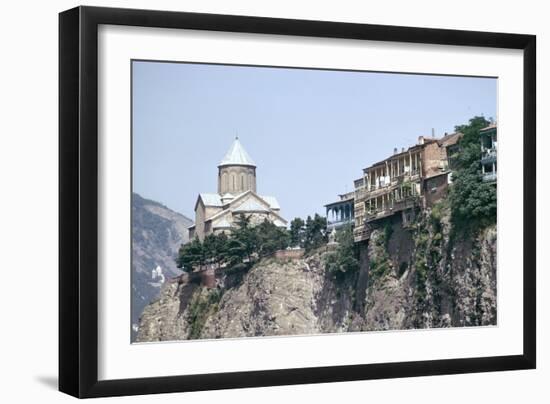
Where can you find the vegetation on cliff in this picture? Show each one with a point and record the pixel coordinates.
(437, 270)
(345, 259)
(310, 234)
(203, 304)
(416, 279)
(380, 262)
(428, 241)
(247, 244)
(473, 202)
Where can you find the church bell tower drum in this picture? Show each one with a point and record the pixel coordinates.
(236, 171)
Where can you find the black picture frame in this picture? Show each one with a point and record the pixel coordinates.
(78, 201)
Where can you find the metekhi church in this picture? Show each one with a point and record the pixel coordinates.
(217, 213)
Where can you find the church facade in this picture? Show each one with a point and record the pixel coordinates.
(218, 212)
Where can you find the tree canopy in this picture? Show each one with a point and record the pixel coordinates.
(297, 229)
(473, 201)
(346, 257)
(246, 243)
(315, 232)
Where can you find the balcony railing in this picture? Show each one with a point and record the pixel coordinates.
(490, 177)
(489, 156)
(360, 193)
(340, 221)
(383, 187)
(397, 206)
(361, 234)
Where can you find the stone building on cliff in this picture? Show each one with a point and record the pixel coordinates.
(340, 213)
(217, 212)
(403, 182)
(489, 153)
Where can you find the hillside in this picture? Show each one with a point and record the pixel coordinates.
(157, 233)
(416, 277)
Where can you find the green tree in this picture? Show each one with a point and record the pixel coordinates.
(215, 248)
(209, 248)
(191, 255)
(346, 257)
(473, 202)
(246, 235)
(315, 233)
(220, 246)
(236, 252)
(271, 238)
(297, 229)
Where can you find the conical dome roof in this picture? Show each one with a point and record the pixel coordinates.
(237, 155)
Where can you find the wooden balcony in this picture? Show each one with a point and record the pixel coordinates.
(361, 234)
(397, 206)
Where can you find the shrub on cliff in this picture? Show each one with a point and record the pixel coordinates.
(379, 259)
(346, 257)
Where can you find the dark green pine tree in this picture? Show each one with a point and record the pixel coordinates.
(220, 247)
(191, 255)
(209, 248)
(315, 234)
(236, 252)
(270, 238)
(246, 236)
(297, 227)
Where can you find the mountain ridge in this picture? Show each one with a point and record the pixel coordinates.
(157, 233)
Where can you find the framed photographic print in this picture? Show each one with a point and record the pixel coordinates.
(250, 201)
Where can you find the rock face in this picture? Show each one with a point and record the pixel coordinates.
(430, 279)
(416, 277)
(157, 233)
(164, 319)
(276, 297)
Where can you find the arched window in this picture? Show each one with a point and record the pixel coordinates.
(242, 182)
(233, 177)
(225, 183)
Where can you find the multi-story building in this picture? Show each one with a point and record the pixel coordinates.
(407, 180)
(341, 212)
(488, 137)
(410, 179)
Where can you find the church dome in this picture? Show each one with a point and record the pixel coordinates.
(237, 155)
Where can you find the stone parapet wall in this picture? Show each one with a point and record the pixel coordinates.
(289, 254)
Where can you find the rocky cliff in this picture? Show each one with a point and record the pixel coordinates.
(429, 276)
(157, 233)
(424, 275)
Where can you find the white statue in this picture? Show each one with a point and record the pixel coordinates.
(332, 237)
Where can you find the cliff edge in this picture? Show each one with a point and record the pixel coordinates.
(420, 276)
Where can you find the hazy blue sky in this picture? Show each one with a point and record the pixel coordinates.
(310, 132)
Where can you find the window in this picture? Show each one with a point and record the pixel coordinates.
(225, 182)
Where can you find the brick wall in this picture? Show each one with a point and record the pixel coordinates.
(431, 160)
(435, 188)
